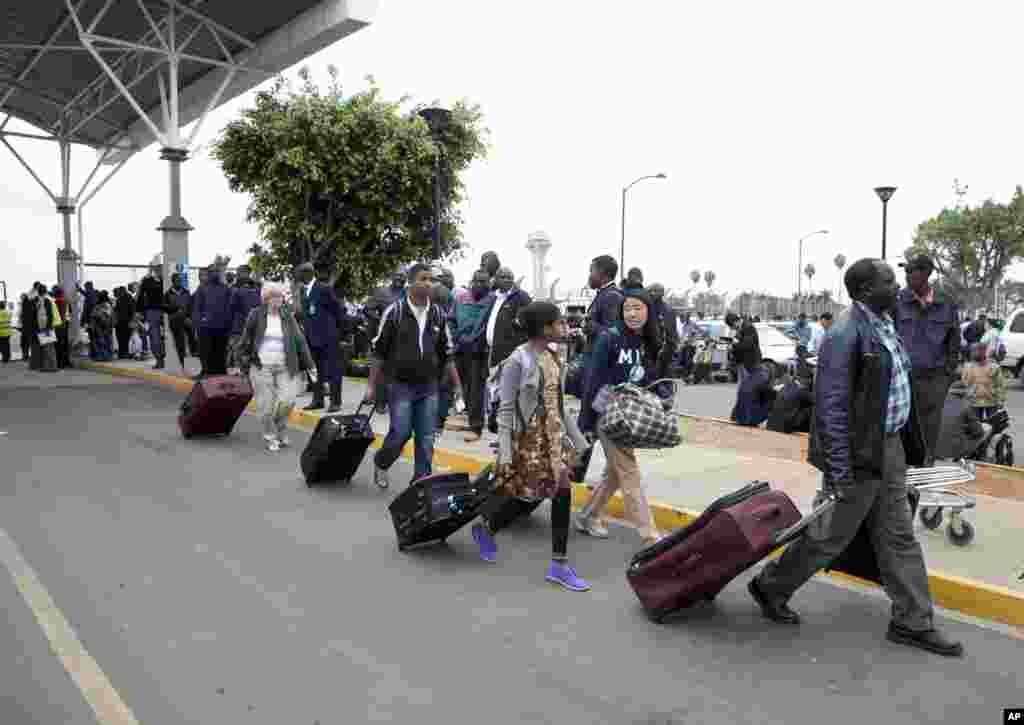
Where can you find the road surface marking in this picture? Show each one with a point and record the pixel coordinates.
(96, 689)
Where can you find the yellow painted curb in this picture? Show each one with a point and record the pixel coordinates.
(977, 599)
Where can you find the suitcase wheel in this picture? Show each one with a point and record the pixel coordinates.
(402, 546)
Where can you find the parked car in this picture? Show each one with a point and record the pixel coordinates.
(1012, 335)
(777, 349)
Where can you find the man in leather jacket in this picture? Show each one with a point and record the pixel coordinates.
(865, 432)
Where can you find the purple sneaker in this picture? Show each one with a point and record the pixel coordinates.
(483, 539)
(563, 574)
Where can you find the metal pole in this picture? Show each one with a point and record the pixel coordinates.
(885, 208)
(622, 248)
(437, 208)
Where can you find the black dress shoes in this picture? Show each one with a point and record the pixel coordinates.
(774, 610)
(930, 639)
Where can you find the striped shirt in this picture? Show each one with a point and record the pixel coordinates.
(897, 411)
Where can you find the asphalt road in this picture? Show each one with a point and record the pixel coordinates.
(211, 586)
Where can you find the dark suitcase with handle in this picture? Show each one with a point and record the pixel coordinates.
(698, 561)
(214, 406)
(337, 447)
(435, 507)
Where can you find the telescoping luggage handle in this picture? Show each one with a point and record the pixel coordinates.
(823, 508)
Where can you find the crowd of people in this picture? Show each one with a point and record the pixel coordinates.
(488, 348)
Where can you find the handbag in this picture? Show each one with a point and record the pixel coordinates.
(637, 418)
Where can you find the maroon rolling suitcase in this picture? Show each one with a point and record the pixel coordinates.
(698, 561)
(214, 406)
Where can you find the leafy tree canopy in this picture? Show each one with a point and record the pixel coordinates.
(972, 247)
(376, 157)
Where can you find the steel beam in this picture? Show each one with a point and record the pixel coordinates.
(28, 168)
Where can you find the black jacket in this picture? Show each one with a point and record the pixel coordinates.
(400, 352)
(178, 304)
(124, 309)
(851, 392)
(508, 335)
(603, 311)
(151, 294)
(747, 349)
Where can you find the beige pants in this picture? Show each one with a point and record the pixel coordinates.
(622, 473)
(274, 393)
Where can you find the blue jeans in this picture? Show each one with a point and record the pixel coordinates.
(413, 411)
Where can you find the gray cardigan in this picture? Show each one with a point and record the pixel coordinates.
(522, 381)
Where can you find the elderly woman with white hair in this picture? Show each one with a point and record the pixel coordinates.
(273, 353)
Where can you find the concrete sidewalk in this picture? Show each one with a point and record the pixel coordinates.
(212, 586)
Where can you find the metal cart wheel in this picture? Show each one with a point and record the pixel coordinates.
(965, 534)
(931, 517)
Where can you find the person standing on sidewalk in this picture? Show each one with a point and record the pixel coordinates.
(151, 303)
(321, 319)
(245, 297)
(607, 304)
(46, 336)
(212, 314)
(178, 303)
(533, 461)
(863, 436)
(926, 320)
(124, 313)
(272, 352)
(627, 352)
(413, 349)
(469, 342)
(503, 335)
(6, 331)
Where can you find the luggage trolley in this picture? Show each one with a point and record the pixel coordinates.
(936, 486)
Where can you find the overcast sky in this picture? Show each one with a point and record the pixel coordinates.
(771, 120)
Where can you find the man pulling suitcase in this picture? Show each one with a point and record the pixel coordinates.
(867, 462)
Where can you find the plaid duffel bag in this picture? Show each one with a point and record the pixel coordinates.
(636, 418)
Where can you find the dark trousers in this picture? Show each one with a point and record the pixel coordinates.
(499, 511)
(179, 335)
(213, 347)
(881, 504)
(124, 338)
(63, 351)
(328, 369)
(930, 388)
(5, 349)
(413, 412)
(26, 346)
(155, 320)
(473, 373)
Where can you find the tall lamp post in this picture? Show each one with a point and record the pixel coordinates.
(622, 250)
(437, 119)
(800, 261)
(884, 193)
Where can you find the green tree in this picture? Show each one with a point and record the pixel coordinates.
(973, 247)
(376, 156)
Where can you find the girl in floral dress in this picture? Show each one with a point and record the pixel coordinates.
(536, 442)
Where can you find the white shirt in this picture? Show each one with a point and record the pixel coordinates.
(499, 300)
(272, 348)
(422, 315)
(817, 335)
(309, 287)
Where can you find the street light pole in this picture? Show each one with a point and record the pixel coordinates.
(437, 120)
(622, 247)
(800, 262)
(884, 193)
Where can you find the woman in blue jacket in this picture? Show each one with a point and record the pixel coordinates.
(627, 352)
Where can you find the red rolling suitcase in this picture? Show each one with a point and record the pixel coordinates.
(697, 562)
(214, 406)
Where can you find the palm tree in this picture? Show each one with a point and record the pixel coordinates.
(695, 277)
(809, 271)
(840, 261)
(709, 278)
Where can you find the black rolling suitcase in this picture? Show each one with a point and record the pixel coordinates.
(435, 507)
(337, 447)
